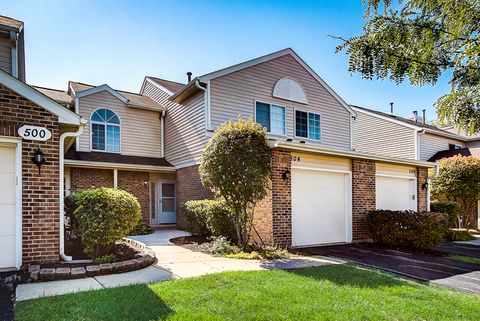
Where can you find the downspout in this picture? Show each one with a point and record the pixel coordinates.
(162, 133)
(207, 108)
(429, 178)
(61, 179)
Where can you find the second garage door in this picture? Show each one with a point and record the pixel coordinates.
(320, 207)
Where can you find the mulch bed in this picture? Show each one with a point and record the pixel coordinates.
(196, 243)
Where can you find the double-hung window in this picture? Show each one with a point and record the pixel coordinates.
(105, 131)
(272, 117)
(307, 125)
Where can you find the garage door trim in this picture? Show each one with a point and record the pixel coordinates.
(17, 144)
(348, 198)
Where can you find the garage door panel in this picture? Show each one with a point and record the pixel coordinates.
(7, 256)
(7, 221)
(7, 207)
(318, 207)
(395, 193)
(7, 193)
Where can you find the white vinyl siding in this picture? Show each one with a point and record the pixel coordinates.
(185, 135)
(431, 144)
(140, 129)
(233, 95)
(5, 54)
(378, 136)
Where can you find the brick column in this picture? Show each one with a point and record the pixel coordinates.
(363, 197)
(422, 177)
(189, 187)
(273, 215)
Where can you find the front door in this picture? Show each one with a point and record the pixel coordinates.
(165, 209)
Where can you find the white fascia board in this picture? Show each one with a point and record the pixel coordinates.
(277, 54)
(65, 116)
(350, 154)
(107, 165)
(398, 122)
(156, 85)
(101, 88)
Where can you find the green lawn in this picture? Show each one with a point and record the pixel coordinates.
(463, 258)
(342, 292)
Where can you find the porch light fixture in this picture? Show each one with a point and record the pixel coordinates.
(425, 185)
(38, 159)
(145, 183)
(286, 175)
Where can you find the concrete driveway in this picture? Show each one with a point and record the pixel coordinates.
(419, 266)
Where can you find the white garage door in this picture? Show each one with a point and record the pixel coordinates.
(320, 207)
(7, 207)
(394, 193)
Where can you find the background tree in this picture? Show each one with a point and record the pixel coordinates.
(236, 167)
(459, 180)
(421, 40)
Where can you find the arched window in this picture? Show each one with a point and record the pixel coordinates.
(105, 131)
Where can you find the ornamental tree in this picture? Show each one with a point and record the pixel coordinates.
(459, 180)
(421, 40)
(236, 167)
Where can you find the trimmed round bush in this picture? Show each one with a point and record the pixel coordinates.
(211, 218)
(104, 216)
(452, 209)
(407, 229)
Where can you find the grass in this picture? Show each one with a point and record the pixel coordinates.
(464, 258)
(340, 292)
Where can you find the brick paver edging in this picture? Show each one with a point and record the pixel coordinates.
(38, 274)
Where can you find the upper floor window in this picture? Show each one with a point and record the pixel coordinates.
(307, 125)
(272, 117)
(105, 126)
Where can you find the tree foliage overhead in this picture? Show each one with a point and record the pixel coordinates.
(421, 40)
(236, 166)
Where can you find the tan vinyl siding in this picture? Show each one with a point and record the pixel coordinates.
(185, 135)
(234, 94)
(140, 129)
(378, 136)
(5, 54)
(431, 144)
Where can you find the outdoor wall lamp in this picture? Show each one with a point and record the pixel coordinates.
(38, 159)
(145, 183)
(286, 175)
(425, 185)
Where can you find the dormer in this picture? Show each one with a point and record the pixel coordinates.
(12, 47)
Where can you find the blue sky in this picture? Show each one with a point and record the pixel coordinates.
(119, 42)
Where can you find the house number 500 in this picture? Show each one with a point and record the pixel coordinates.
(34, 133)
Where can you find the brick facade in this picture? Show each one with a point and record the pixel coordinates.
(40, 195)
(273, 215)
(130, 181)
(188, 187)
(422, 178)
(85, 178)
(134, 183)
(363, 197)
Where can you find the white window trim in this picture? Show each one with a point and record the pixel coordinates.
(105, 124)
(271, 104)
(308, 126)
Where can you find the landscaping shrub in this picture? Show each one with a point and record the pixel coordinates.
(222, 246)
(142, 228)
(452, 209)
(407, 229)
(459, 235)
(70, 205)
(109, 258)
(104, 216)
(211, 218)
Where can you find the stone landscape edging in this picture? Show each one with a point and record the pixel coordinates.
(147, 258)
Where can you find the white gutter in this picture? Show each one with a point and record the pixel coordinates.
(61, 178)
(207, 107)
(350, 154)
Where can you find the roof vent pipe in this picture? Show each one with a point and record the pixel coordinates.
(189, 76)
(423, 115)
(391, 108)
(415, 115)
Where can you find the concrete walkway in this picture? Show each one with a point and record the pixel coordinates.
(173, 262)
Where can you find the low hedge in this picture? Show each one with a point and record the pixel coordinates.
(452, 209)
(209, 217)
(407, 229)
